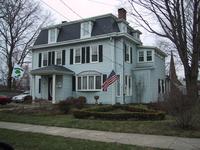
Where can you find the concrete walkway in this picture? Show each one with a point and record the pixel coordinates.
(168, 142)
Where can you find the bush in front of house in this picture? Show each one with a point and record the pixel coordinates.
(131, 112)
(71, 102)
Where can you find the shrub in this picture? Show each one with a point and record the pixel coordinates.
(64, 106)
(132, 113)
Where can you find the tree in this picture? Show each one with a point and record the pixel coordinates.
(20, 21)
(179, 21)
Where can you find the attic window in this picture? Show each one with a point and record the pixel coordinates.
(52, 35)
(86, 29)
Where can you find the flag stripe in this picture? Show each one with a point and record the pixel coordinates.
(110, 80)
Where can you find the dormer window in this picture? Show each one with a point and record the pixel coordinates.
(145, 56)
(86, 29)
(52, 35)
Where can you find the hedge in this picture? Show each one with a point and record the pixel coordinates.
(132, 113)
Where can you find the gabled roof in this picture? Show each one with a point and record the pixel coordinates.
(104, 24)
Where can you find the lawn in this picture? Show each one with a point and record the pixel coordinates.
(35, 141)
(164, 127)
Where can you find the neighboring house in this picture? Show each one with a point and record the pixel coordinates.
(74, 59)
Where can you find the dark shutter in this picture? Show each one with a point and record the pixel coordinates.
(63, 57)
(49, 59)
(83, 55)
(73, 83)
(71, 56)
(159, 86)
(53, 58)
(39, 84)
(131, 54)
(88, 54)
(100, 53)
(163, 86)
(40, 60)
(104, 77)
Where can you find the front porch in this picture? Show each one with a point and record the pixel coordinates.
(55, 83)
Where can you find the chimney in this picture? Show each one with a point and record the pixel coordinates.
(64, 21)
(122, 13)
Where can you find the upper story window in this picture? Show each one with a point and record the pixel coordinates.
(52, 35)
(128, 54)
(45, 59)
(145, 56)
(94, 53)
(77, 55)
(86, 29)
(59, 58)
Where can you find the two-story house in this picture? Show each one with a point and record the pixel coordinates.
(75, 58)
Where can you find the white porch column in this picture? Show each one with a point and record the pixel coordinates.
(33, 88)
(54, 89)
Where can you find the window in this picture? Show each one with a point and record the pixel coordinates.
(128, 85)
(86, 29)
(58, 58)
(85, 82)
(45, 58)
(89, 82)
(118, 85)
(141, 56)
(149, 55)
(77, 55)
(128, 54)
(52, 35)
(79, 83)
(94, 53)
(39, 86)
(161, 86)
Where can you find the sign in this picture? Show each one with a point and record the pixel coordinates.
(17, 72)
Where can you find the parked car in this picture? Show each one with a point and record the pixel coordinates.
(22, 97)
(4, 100)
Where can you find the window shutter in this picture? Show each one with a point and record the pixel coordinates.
(163, 86)
(63, 57)
(53, 58)
(40, 60)
(88, 54)
(73, 83)
(104, 77)
(83, 55)
(100, 53)
(49, 58)
(71, 56)
(131, 54)
(39, 86)
(159, 90)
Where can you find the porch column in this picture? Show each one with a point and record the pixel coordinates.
(33, 88)
(54, 89)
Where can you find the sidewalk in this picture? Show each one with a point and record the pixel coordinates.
(168, 142)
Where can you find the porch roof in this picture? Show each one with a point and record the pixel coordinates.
(53, 69)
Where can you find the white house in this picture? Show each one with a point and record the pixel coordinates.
(75, 58)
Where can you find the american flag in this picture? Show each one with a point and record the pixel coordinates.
(110, 80)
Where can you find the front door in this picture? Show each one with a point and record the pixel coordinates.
(50, 88)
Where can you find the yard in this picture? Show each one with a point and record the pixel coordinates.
(163, 127)
(33, 141)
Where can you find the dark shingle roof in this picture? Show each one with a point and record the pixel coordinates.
(53, 69)
(67, 32)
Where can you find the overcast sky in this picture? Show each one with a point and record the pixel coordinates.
(71, 10)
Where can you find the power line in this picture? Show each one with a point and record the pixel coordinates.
(71, 9)
(55, 10)
(101, 3)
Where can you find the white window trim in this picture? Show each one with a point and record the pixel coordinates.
(97, 54)
(74, 60)
(88, 90)
(55, 37)
(127, 92)
(129, 53)
(56, 57)
(43, 58)
(89, 30)
(145, 56)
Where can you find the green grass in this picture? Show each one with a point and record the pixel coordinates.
(35, 141)
(163, 127)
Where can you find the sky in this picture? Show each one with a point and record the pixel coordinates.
(70, 10)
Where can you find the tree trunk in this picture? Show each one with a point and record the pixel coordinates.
(9, 78)
(192, 87)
